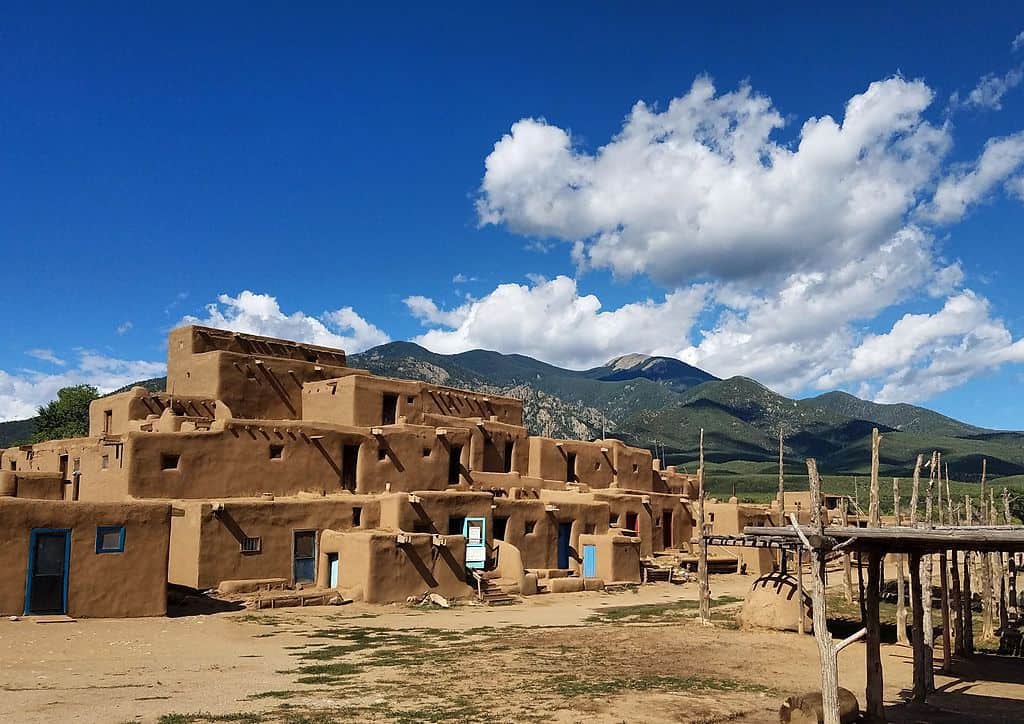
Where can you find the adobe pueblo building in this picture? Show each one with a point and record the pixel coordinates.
(269, 465)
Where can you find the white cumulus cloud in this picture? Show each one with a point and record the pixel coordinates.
(46, 355)
(551, 320)
(966, 186)
(261, 314)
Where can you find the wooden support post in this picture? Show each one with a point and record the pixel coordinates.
(987, 624)
(1010, 570)
(928, 625)
(702, 560)
(875, 708)
(998, 571)
(947, 644)
(800, 589)
(874, 507)
(956, 604)
(847, 572)
(826, 648)
(920, 691)
(860, 588)
(968, 598)
(901, 583)
(782, 504)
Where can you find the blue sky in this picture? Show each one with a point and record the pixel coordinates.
(813, 199)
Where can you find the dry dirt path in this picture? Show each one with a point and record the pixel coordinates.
(569, 657)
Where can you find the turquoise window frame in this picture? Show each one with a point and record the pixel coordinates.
(102, 530)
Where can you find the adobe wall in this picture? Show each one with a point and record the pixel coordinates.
(216, 537)
(36, 486)
(730, 519)
(649, 512)
(256, 377)
(617, 557)
(539, 546)
(130, 583)
(359, 399)
(101, 473)
(600, 464)
(114, 414)
(241, 458)
(433, 512)
(374, 567)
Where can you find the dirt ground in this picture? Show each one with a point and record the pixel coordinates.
(594, 657)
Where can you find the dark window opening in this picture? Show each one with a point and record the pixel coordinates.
(411, 399)
(382, 452)
(63, 467)
(455, 465)
(636, 467)
(570, 467)
(14, 464)
(349, 462)
(276, 452)
(456, 524)
(357, 516)
(631, 521)
(500, 526)
(108, 417)
(597, 465)
(389, 411)
(426, 452)
(169, 461)
(531, 525)
(510, 449)
(613, 519)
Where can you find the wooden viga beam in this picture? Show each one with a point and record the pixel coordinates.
(897, 539)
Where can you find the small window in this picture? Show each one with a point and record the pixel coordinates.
(104, 462)
(382, 452)
(636, 467)
(531, 525)
(276, 452)
(252, 545)
(613, 520)
(108, 416)
(426, 452)
(110, 539)
(169, 461)
(357, 516)
(411, 399)
(597, 465)
(14, 464)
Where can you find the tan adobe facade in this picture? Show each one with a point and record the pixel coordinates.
(272, 463)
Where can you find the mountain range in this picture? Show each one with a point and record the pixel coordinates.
(662, 403)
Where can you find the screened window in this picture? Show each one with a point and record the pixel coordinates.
(252, 545)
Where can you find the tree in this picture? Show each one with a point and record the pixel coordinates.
(67, 416)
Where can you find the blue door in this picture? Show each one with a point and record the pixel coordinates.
(475, 531)
(304, 556)
(564, 533)
(46, 590)
(589, 561)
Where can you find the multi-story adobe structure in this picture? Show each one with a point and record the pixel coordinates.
(272, 463)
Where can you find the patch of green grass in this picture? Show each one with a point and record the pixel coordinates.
(240, 717)
(653, 612)
(285, 694)
(571, 685)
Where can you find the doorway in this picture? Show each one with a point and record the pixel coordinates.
(666, 528)
(332, 570)
(304, 556)
(349, 462)
(564, 535)
(570, 468)
(46, 591)
(590, 561)
(389, 409)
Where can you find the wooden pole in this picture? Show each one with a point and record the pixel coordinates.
(954, 571)
(987, 625)
(920, 691)
(947, 644)
(926, 582)
(998, 570)
(901, 583)
(914, 490)
(874, 509)
(873, 695)
(968, 598)
(782, 505)
(860, 589)
(826, 649)
(847, 572)
(702, 561)
(1011, 561)
(800, 590)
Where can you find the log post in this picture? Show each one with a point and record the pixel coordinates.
(826, 648)
(998, 571)
(920, 691)
(901, 583)
(926, 582)
(702, 560)
(782, 503)
(874, 509)
(1011, 562)
(847, 572)
(947, 644)
(875, 707)
(954, 571)
(987, 625)
(968, 598)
